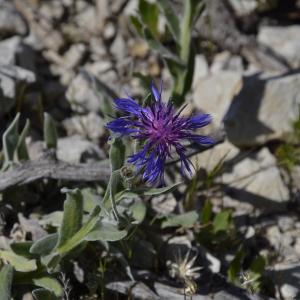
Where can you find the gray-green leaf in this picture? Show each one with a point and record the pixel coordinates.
(72, 218)
(20, 263)
(6, 275)
(50, 132)
(42, 294)
(10, 139)
(108, 232)
(50, 284)
(185, 220)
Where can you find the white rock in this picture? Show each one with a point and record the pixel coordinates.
(285, 223)
(82, 96)
(289, 292)
(200, 69)
(214, 93)
(87, 18)
(119, 48)
(256, 180)
(11, 22)
(74, 55)
(225, 61)
(8, 76)
(282, 40)
(74, 149)
(8, 50)
(212, 157)
(263, 110)
(243, 7)
(90, 126)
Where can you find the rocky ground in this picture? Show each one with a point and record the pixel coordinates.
(69, 57)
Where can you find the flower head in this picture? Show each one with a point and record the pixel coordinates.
(162, 130)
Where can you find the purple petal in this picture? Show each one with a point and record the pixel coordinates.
(185, 163)
(156, 94)
(154, 170)
(139, 158)
(128, 105)
(122, 126)
(202, 139)
(200, 120)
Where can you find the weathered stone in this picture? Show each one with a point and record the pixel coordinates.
(52, 9)
(119, 48)
(74, 55)
(8, 50)
(263, 110)
(74, 149)
(286, 276)
(82, 96)
(200, 69)
(212, 157)
(9, 75)
(225, 61)
(87, 19)
(285, 223)
(243, 7)
(214, 93)
(90, 126)
(256, 180)
(289, 291)
(11, 22)
(283, 41)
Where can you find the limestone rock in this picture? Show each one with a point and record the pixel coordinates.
(90, 126)
(256, 180)
(82, 96)
(286, 276)
(243, 7)
(8, 50)
(9, 75)
(200, 69)
(263, 110)
(214, 93)
(225, 61)
(11, 22)
(283, 41)
(212, 157)
(74, 149)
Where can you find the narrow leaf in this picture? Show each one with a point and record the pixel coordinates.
(172, 20)
(6, 275)
(137, 25)
(72, 218)
(21, 147)
(117, 154)
(80, 235)
(50, 132)
(149, 14)
(10, 139)
(162, 50)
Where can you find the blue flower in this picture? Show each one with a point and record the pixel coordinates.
(162, 130)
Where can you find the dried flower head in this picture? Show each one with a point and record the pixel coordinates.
(162, 130)
(183, 268)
